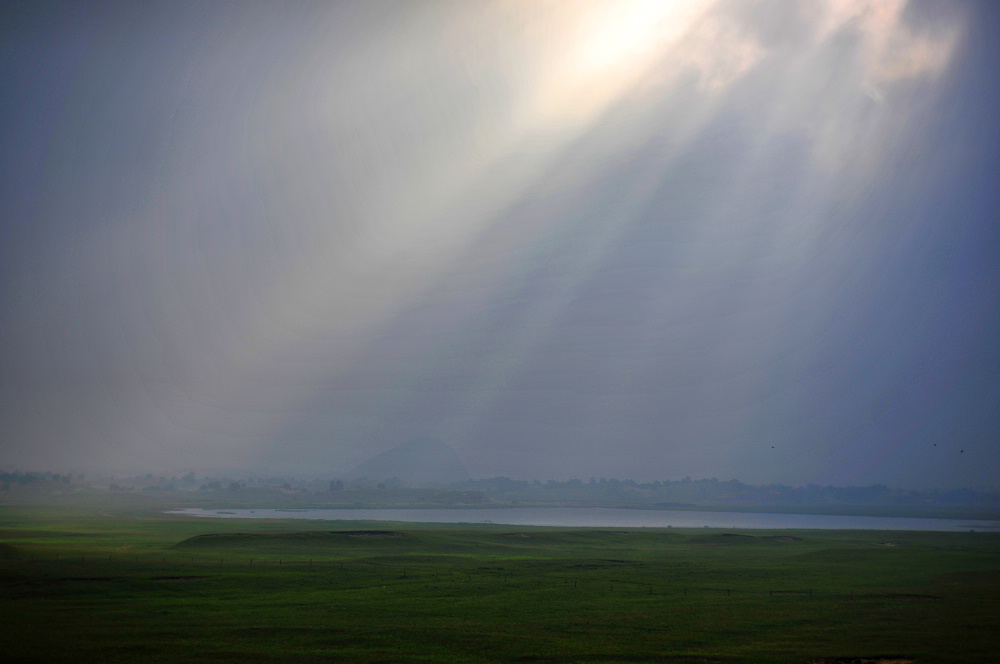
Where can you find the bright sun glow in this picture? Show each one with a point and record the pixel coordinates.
(616, 35)
(611, 47)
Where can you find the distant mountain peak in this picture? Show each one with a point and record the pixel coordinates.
(418, 461)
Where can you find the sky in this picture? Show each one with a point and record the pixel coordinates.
(639, 239)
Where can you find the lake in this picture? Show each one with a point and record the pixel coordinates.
(604, 517)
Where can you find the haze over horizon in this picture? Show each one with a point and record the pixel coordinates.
(638, 239)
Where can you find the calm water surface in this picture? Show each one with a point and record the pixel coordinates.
(604, 517)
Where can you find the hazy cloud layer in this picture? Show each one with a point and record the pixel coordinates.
(637, 238)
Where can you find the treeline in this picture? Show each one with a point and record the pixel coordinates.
(7, 480)
(665, 494)
(732, 493)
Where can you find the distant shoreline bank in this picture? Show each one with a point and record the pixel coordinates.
(600, 517)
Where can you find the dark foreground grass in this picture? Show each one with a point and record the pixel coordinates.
(152, 588)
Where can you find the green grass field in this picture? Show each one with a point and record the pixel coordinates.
(154, 588)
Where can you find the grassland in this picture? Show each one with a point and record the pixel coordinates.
(143, 586)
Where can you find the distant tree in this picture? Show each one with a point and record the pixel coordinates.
(336, 485)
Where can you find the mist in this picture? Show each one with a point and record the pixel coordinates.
(628, 239)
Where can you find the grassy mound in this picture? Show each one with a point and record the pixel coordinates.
(292, 542)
